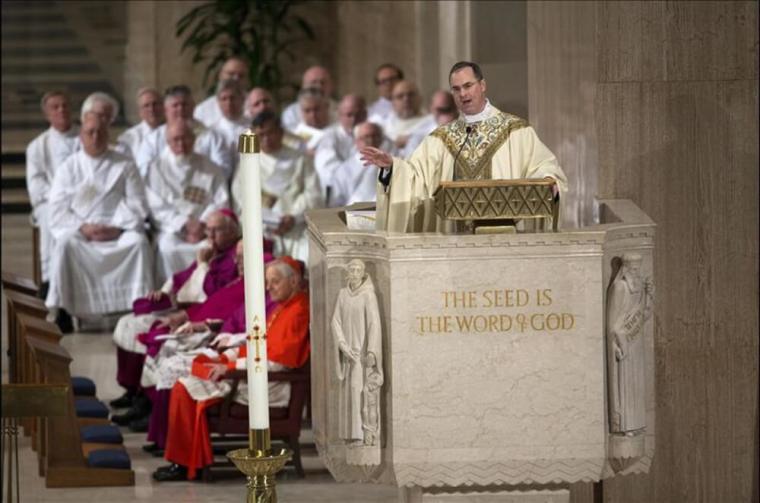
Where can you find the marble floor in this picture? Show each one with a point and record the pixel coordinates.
(94, 356)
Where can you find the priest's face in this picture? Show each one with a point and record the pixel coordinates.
(385, 79)
(368, 134)
(351, 112)
(58, 112)
(221, 232)
(258, 101)
(270, 137)
(230, 103)
(104, 110)
(315, 112)
(234, 69)
(151, 108)
(94, 135)
(180, 138)
(318, 78)
(406, 100)
(443, 108)
(469, 92)
(279, 286)
(178, 108)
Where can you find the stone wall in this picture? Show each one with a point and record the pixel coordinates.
(660, 100)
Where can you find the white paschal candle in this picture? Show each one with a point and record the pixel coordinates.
(255, 306)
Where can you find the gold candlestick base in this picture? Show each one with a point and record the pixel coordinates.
(260, 465)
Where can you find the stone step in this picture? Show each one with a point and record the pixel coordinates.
(32, 68)
(12, 172)
(43, 52)
(15, 196)
(56, 79)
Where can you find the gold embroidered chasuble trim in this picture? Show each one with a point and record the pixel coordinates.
(474, 161)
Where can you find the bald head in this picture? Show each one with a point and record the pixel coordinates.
(318, 77)
(368, 134)
(351, 111)
(180, 137)
(405, 99)
(315, 109)
(234, 68)
(259, 100)
(443, 107)
(222, 231)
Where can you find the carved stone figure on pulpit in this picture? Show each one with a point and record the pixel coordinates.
(629, 306)
(373, 380)
(358, 349)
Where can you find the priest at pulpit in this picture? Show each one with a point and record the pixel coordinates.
(483, 143)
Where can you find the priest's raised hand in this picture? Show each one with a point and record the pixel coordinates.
(374, 156)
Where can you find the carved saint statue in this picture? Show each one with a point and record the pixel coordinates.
(629, 306)
(358, 342)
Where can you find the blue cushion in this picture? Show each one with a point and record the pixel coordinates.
(87, 407)
(83, 386)
(109, 458)
(101, 433)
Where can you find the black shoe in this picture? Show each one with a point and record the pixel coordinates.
(140, 425)
(130, 415)
(151, 448)
(171, 473)
(63, 320)
(124, 401)
(154, 450)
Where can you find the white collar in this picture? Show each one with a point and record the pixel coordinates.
(482, 115)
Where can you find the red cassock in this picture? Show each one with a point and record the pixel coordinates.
(188, 441)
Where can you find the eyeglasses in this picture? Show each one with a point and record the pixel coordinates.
(386, 80)
(401, 96)
(465, 86)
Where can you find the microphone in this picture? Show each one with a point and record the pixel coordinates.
(468, 130)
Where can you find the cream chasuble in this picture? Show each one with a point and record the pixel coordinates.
(500, 146)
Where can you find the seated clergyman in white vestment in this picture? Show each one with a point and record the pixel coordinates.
(386, 77)
(442, 111)
(208, 112)
(337, 144)
(102, 259)
(493, 144)
(178, 105)
(231, 96)
(289, 186)
(315, 77)
(353, 181)
(43, 157)
(406, 118)
(151, 110)
(183, 189)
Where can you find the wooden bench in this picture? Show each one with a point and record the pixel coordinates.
(18, 283)
(19, 303)
(62, 458)
(229, 420)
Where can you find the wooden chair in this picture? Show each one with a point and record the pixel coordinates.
(229, 420)
(62, 458)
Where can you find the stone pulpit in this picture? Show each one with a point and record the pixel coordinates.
(483, 367)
